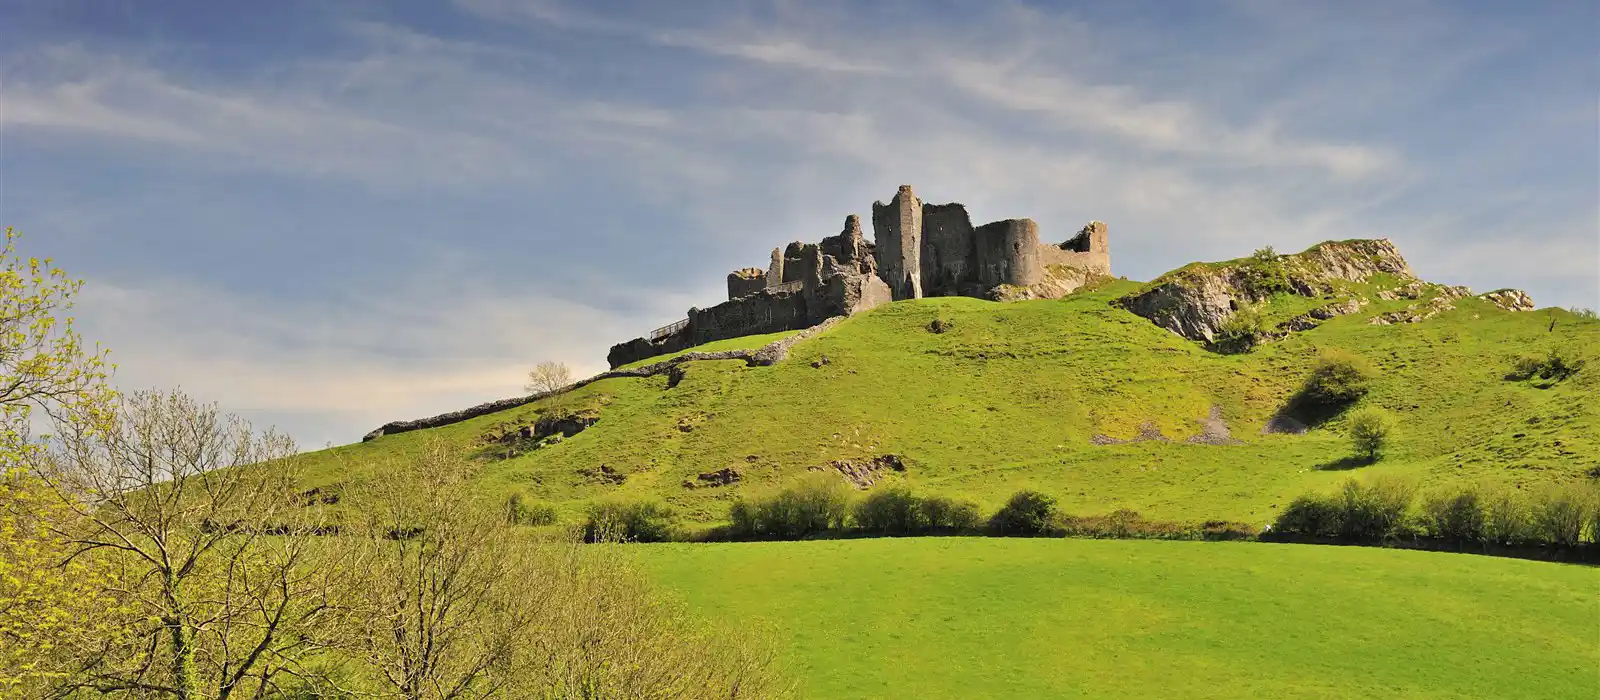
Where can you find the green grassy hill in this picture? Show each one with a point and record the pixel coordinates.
(1047, 618)
(1013, 395)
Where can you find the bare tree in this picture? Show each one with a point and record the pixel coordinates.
(438, 615)
(547, 377)
(198, 514)
(456, 604)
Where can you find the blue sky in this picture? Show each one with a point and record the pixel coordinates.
(326, 216)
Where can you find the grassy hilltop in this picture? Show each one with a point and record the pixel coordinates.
(1013, 395)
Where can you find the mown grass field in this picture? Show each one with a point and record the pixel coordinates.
(1011, 394)
(1020, 618)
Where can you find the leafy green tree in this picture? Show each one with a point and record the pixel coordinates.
(1339, 377)
(1369, 433)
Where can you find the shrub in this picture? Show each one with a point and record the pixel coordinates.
(520, 510)
(636, 521)
(1027, 514)
(941, 514)
(1369, 432)
(1264, 273)
(1505, 517)
(1583, 313)
(815, 505)
(1339, 377)
(1456, 515)
(1557, 364)
(890, 511)
(1242, 330)
(1559, 513)
(1374, 511)
(1312, 514)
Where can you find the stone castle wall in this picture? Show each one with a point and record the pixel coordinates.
(746, 282)
(897, 231)
(1008, 253)
(918, 250)
(1089, 250)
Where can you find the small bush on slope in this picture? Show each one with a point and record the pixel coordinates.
(946, 515)
(639, 521)
(521, 510)
(1559, 513)
(1027, 514)
(890, 511)
(1457, 515)
(1339, 377)
(813, 506)
(1369, 433)
(1557, 364)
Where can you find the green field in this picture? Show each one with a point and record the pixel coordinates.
(1016, 618)
(1011, 394)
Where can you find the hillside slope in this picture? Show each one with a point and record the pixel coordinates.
(999, 396)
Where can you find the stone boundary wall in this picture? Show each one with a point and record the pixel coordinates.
(767, 355)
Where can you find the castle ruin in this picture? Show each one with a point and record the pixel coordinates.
(918, 250)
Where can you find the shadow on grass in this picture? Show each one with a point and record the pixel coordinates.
(1301, 413)
(1344, 463)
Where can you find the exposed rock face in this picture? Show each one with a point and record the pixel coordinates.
(1510, 299)
(1194, 301)
(720, 477)
(1193, 308)
(1355, 261)
(864, 473)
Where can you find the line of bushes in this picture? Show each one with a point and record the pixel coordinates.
(1388, 510)
(822, 507)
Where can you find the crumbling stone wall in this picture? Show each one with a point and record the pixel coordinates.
(1089, 250)
(948, 251)
(743, 283)
(850, 250)
(793, 271)
(775, 269)
(897, 232)
(1008, 253)
(751, 315)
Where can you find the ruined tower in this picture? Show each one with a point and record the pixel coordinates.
(775, 269)
(1008, 253)
(897, 231)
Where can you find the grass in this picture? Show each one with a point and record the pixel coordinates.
(985, 618)
(1010, 395)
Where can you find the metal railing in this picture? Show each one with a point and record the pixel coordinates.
(668, 329)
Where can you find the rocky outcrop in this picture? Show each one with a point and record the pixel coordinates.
(1509, 299)
(1194, 301)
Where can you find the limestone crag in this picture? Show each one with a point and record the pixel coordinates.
(1509, 299)
(918, 250)
(1194, 301)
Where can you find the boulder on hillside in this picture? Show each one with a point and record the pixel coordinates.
(1509, 299)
